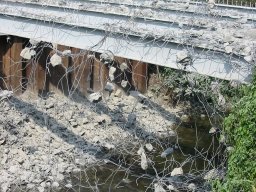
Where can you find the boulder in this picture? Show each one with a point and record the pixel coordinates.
(95, 97)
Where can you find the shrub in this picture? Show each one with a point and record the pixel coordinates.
(240, 128)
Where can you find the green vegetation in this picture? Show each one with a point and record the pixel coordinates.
(185, 86)
(240, 128)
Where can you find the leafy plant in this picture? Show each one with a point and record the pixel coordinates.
(191, 86)
(240, 128)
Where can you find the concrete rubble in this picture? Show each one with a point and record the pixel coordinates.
(124, 83)
(123, 66)
(110, 87)
(177, 171)
(158, 187)
(144, 162)
(27, 53)
(107, 57)
(42, 141)
(56, 60)
(112, 71)
(4, 94)
(95, 97)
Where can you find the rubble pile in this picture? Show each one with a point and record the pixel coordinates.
(43, 140)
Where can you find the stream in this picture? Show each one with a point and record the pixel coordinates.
(195, 151)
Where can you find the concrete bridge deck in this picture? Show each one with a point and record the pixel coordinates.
(218, 41)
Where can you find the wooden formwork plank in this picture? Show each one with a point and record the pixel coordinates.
(100, 75)
(139, 75)
(2, 53)
(6, 64)
(125, 75)
(11, 67)
(81, 73)
(41, 61)
(31, 76)
(59, 78)
(15, 71)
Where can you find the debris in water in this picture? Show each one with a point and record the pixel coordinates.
(177, 171)
(144, 162)
(159, 188)
(167, 152)
(149, 147)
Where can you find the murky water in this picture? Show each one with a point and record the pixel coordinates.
(193, 150)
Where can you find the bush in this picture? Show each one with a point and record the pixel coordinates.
(193, 87)
(240, 128)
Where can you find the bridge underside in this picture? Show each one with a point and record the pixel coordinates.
(193, 48)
